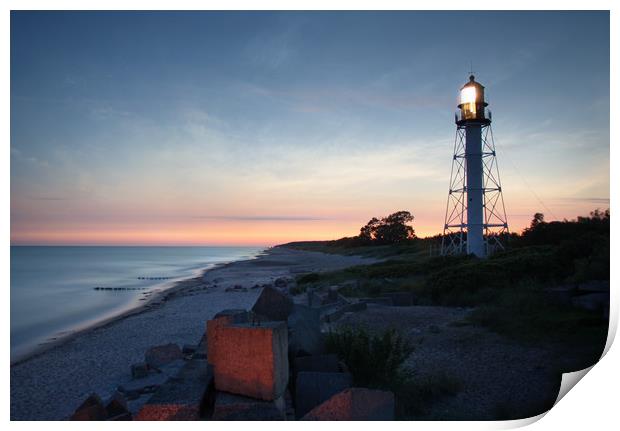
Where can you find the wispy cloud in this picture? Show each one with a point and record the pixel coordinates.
(262, 218)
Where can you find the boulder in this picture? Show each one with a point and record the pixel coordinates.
(355, 404)
(221, 319)
(230, 407)
(157, 356)
(313, 388)
(182, 397)
(304, 325)
(92, 409)
(252, 360)
(273, 304)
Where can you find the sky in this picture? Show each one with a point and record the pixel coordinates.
(258, 128)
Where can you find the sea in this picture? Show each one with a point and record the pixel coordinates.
(56, 290)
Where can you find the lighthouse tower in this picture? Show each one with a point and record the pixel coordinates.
(475, 218)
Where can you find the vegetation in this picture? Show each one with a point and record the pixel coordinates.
(508, 284)
(376, 361)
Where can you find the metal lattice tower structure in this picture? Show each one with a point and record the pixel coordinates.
(475, 212)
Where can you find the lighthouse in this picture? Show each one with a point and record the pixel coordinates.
(475, 220)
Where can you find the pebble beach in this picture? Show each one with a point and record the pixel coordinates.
(49, 384)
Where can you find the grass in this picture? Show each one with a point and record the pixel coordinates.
(376, 361)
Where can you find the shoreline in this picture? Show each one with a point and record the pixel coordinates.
(137, 307)
(52, 383)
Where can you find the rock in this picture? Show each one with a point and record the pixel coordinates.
(400, 299)
(157, 356)
(139, 371)
(221, 319)
(116, 408)
(92, 409)
(252, 359)
(273, 304)
(304, 327)
(230, 407)
(182, 397)
(355, 404)
(313, 388)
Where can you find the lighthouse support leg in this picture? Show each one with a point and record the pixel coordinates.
(475, 215)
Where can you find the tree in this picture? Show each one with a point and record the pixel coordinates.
(388, 230)
(538, 219)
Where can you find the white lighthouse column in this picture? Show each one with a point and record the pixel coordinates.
(473, 158)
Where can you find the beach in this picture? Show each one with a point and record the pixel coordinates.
(51, 383)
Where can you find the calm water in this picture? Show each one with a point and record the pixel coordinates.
(52, 288)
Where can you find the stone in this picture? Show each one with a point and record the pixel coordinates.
(304, 325)
(313, 388)
(221, 319)
(400, 299)
(116, 408)
(182, 397)
(355, 404)
(157, 356)
(139, 371)
(273, 304)
(92, 409)
(252, 360)
(230, 407)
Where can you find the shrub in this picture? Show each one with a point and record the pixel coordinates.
(373, 360)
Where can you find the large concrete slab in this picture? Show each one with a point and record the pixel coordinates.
(313, 388)
(230, 407)
(273, 304)
(355, 404)
(252, 359)
(305, 335)
(221, 319)
(182, 397)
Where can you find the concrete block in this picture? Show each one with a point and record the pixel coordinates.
(221, 319)
(305, 336)
(92, 409)
(181, 397)
(157, 356)
(252, 360)
(313, 388)
(273, 304)
(230, 407)
(355, 404)
(317, 363)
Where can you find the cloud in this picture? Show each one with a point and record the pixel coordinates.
(262, 218)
